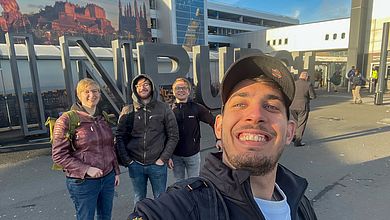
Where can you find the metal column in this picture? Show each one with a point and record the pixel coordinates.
(382, 68)
(31, 56)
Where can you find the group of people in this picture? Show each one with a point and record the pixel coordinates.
(243, 180)
(150, 137)
(355, 81)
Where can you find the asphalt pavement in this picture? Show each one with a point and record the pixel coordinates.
(346, 162)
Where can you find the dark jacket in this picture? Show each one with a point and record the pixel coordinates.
(93, 141)
(154, 133)
(188, 116)
(304, 92)
(234, 186)
(358, 80)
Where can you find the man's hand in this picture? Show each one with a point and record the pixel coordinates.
(159, 162)
(170, 163)
(94, 172)
(129, 162)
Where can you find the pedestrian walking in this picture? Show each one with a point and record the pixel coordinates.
(147, 138)
(88, 158)
(374, 77)
(245, 180)
(349, 75)
(186, 157)
(300, 106)
(336, 80)
(357, 82)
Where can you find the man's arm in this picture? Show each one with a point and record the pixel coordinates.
(172, 205)
(172, 132)
(205, 115)
(122, 135)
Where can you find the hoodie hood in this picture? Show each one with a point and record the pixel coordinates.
(137, 102)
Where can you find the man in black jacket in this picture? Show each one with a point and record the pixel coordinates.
(300, 107)
(186, 157)
(151, 135)
(244, 181)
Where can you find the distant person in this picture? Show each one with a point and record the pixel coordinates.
(357, 82)
(374, 77)
(336, 80)
(318, 78)
(300, 106)
(147, 144)
(245, 180)
(349, 75)
(186, 157)
(88, 160)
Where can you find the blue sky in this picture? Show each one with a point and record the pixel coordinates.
(305, 10)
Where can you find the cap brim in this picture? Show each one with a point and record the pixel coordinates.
(254, 66)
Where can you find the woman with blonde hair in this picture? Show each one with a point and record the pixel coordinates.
(87, 157)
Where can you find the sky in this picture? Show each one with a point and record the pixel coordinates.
(305, 10)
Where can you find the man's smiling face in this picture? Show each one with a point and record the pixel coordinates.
(254, 127)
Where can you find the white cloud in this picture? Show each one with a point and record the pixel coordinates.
(328, 10)
(296, 14)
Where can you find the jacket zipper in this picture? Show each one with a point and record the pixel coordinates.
(100, 134)
(252, 202)
(145, 115)
(182, 115)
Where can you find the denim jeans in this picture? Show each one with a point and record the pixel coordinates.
(139, 175)
(190, 164)
(89, 195)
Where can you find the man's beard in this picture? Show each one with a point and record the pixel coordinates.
(255, 163)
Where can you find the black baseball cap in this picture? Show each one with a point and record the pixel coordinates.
(253, 66)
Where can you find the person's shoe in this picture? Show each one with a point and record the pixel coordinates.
(359, 102)
(299, 144)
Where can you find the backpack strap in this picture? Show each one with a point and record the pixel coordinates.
(74, 122)
(305, 209)
(190, 184)
(108, 118)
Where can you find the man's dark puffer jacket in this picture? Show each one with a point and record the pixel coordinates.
(222, 193)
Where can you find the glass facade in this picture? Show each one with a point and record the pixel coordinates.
(190, 23)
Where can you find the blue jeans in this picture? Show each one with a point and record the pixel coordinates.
(190, 164)
(89, 195)
(139, 175)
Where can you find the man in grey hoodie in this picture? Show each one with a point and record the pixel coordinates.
(147, 138)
